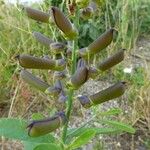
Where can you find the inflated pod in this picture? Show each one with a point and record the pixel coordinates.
(41, 127)
(37, 14)
(99, 44)
(80, 76)
(42, 39)
(63, 23)
(111, 61)
(33, 80)
(32, 62)
(112, 92)
(57, 47)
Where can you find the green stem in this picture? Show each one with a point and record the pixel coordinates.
(70, 92)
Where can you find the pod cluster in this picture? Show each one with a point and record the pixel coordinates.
(58, 61)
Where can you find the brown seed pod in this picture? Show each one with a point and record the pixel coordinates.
(42, 39)
(112, 92)
(102, 42)
(111, 61)
(28, 61)
(63, 23)
(37, 15)
(33, 80)
(41, 127)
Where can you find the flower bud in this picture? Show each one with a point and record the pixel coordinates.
(41, 127)
(102, 42)
(57, 47)
(33, 80)
(37, 15)
(87, 13)
(28, 61)
(112, 92)
(42, 39)
(63, 23)
(82, 3)
(111, 61)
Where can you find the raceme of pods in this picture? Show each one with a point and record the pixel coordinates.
(41, 127)
(63, 59)
(112, 92)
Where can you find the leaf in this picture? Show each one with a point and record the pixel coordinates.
(120, 126)
(29, 145)
(49, 146)
(16, 129)
(112, 111)
(37, 116)
(82, 139)
(78, 131)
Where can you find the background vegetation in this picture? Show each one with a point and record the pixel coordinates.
(130, 17)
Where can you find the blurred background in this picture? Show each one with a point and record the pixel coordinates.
(130, 17)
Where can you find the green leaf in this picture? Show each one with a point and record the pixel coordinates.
(78, 131)
(82, 139)
(16, 129)
(113, 111)
(30, 145)
(119, 126)
(37, 116)
(49, 146)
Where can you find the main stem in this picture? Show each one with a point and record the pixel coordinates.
(70, 92)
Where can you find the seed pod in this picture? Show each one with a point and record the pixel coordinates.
(28, 61)
(63, 23)
(79, 77)
(112, 92)
(57, 47)
(37, 15)
(87, 13)
(33, 80)
(42, 39)
(102, 42)
(111, 61)
(55, 90)
(41, 127)
(82, 3)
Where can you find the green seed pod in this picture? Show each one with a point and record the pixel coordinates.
(33, 81)
(87, 13)
(41, 127)
(55, 90)
(28, 61)
(63, 23)
(102, 42)
(110, 93)
(37, 15)
(57, 47)
(82, 3)
(42, 39)
(111, 61)
(79, 77)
